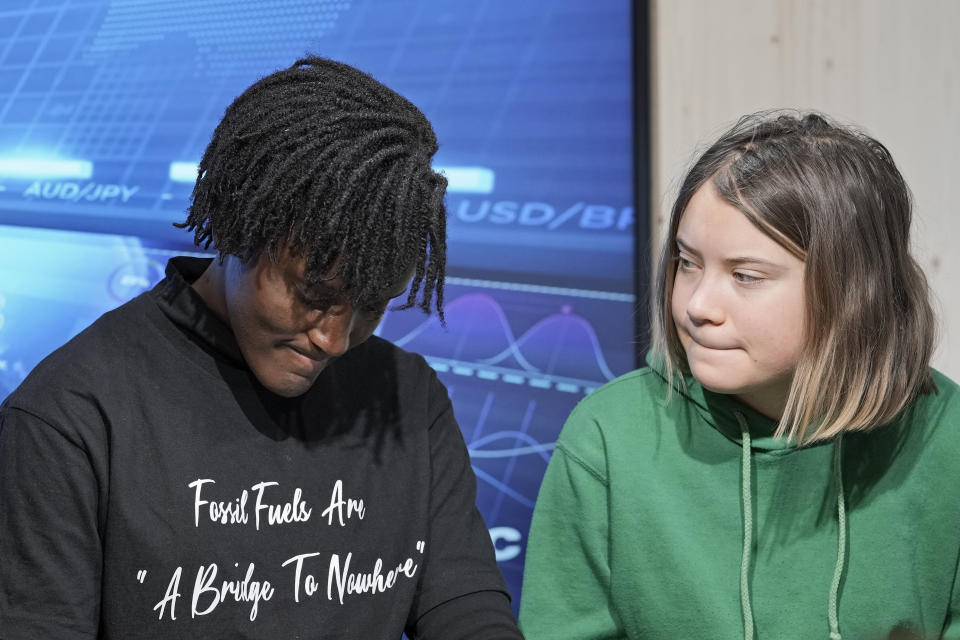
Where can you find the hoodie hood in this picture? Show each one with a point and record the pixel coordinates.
(720, 411)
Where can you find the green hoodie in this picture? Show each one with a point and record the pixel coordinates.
(639, 529)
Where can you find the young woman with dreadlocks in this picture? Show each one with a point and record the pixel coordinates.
(233, 454)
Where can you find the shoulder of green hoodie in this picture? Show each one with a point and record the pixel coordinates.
(628, 403)
(566, 585)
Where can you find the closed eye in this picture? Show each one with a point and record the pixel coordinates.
(317, 302)
(375, 309)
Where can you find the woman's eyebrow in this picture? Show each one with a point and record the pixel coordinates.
(686, 247)
(752, 260)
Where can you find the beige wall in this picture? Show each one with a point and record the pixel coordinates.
(890, 66)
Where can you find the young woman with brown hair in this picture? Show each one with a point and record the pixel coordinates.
(788, 465)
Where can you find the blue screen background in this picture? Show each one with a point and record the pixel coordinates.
(106, 106)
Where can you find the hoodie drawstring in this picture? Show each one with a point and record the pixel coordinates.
(832, 611)
(747, 503)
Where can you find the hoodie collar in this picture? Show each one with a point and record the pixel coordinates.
(720, 412)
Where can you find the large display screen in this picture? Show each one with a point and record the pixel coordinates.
(107, 105)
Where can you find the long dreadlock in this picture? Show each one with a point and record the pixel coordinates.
(325, 160)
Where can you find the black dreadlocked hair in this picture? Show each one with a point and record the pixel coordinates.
(325, 160)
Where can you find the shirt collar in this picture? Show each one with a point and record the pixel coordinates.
(179, 301)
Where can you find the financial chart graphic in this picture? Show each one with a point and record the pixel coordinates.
(516, 360)
(107, 105)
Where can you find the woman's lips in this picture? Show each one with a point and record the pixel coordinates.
(709, 345)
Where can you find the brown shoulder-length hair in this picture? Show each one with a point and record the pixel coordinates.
(831, 196)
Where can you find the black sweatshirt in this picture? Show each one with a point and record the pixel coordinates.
(150, 487)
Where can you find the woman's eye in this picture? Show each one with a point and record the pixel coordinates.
(745, 278)
(684, 263)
